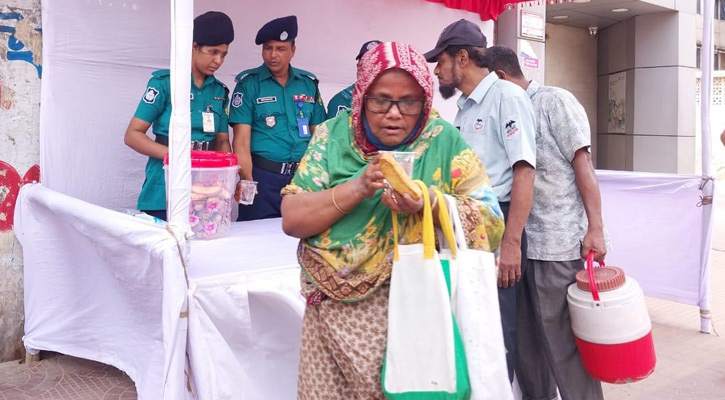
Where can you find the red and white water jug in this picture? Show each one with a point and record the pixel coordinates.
(611, 324)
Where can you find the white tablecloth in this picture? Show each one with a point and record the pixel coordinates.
(109, 287)
(245, 313)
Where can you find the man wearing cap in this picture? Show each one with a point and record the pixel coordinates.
(342, 100)
(213, 31)
(274, 110)
(497, 120)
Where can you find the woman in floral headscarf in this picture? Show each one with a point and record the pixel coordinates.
(337, 206)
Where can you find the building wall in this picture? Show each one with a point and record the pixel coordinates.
(20, 70)
(571, 63)
(656, 54)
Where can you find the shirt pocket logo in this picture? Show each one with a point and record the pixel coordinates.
(270, 121)
(479, 125)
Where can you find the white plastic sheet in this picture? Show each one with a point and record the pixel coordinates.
(109, 287)
(245, 313)
(245, 332)
(103, 286)
(654, 223)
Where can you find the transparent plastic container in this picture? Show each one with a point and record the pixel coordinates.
(213, 180)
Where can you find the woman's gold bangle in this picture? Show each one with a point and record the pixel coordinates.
(335, 203)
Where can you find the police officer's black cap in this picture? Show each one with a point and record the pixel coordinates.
(213, 28)
(459, 33)
(367, 46)
(281, 29)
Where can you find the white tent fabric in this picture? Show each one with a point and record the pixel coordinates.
(113, 47)
(654, 223)
(106, 286)
(98, 56)
(109, 287)
(103, 286)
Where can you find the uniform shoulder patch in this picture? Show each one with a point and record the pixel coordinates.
(237, 99)
(511, 127)
(308, 74)
(150, 95)
(240, 76)
(161, 73)
(226, 89)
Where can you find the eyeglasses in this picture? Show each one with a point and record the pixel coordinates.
(381, 105)
(214, 53)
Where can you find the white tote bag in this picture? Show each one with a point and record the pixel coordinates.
(475, 307)
(421, 359)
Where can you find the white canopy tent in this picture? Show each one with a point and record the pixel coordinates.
(179, 197)
(97, 58)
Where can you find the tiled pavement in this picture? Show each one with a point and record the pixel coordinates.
(690, 365)
(59, 377)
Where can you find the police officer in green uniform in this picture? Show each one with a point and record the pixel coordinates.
(213, 31)
(342, 100)
(274, 110)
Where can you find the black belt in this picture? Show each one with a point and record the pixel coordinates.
(286, 168)
(195, 145)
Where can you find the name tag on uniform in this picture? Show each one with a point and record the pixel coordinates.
(268, 99)
(304, 127)
(208, 122)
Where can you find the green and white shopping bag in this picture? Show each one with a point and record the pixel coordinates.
(474, 299)
(424, 358)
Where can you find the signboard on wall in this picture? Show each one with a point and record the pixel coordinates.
(531, 58)
(532, 25)
(617, 107)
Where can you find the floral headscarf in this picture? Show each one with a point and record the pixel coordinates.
(381, 58)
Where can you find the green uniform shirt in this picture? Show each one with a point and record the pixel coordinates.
(155, 108)
(273, 111)
(340, 102)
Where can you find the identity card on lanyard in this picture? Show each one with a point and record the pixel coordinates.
(303, 125)
(208, 120)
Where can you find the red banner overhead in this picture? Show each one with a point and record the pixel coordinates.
(487, 9)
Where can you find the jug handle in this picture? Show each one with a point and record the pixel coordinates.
(592, 280)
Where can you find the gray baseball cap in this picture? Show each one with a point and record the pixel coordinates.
(459, 33)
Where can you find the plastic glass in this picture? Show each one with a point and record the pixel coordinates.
(249, 189)
(406, 159)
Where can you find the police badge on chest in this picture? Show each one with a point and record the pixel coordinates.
(270, 121)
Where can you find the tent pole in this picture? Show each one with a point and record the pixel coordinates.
(707, 186)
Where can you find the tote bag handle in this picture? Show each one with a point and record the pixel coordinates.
(428, 228)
